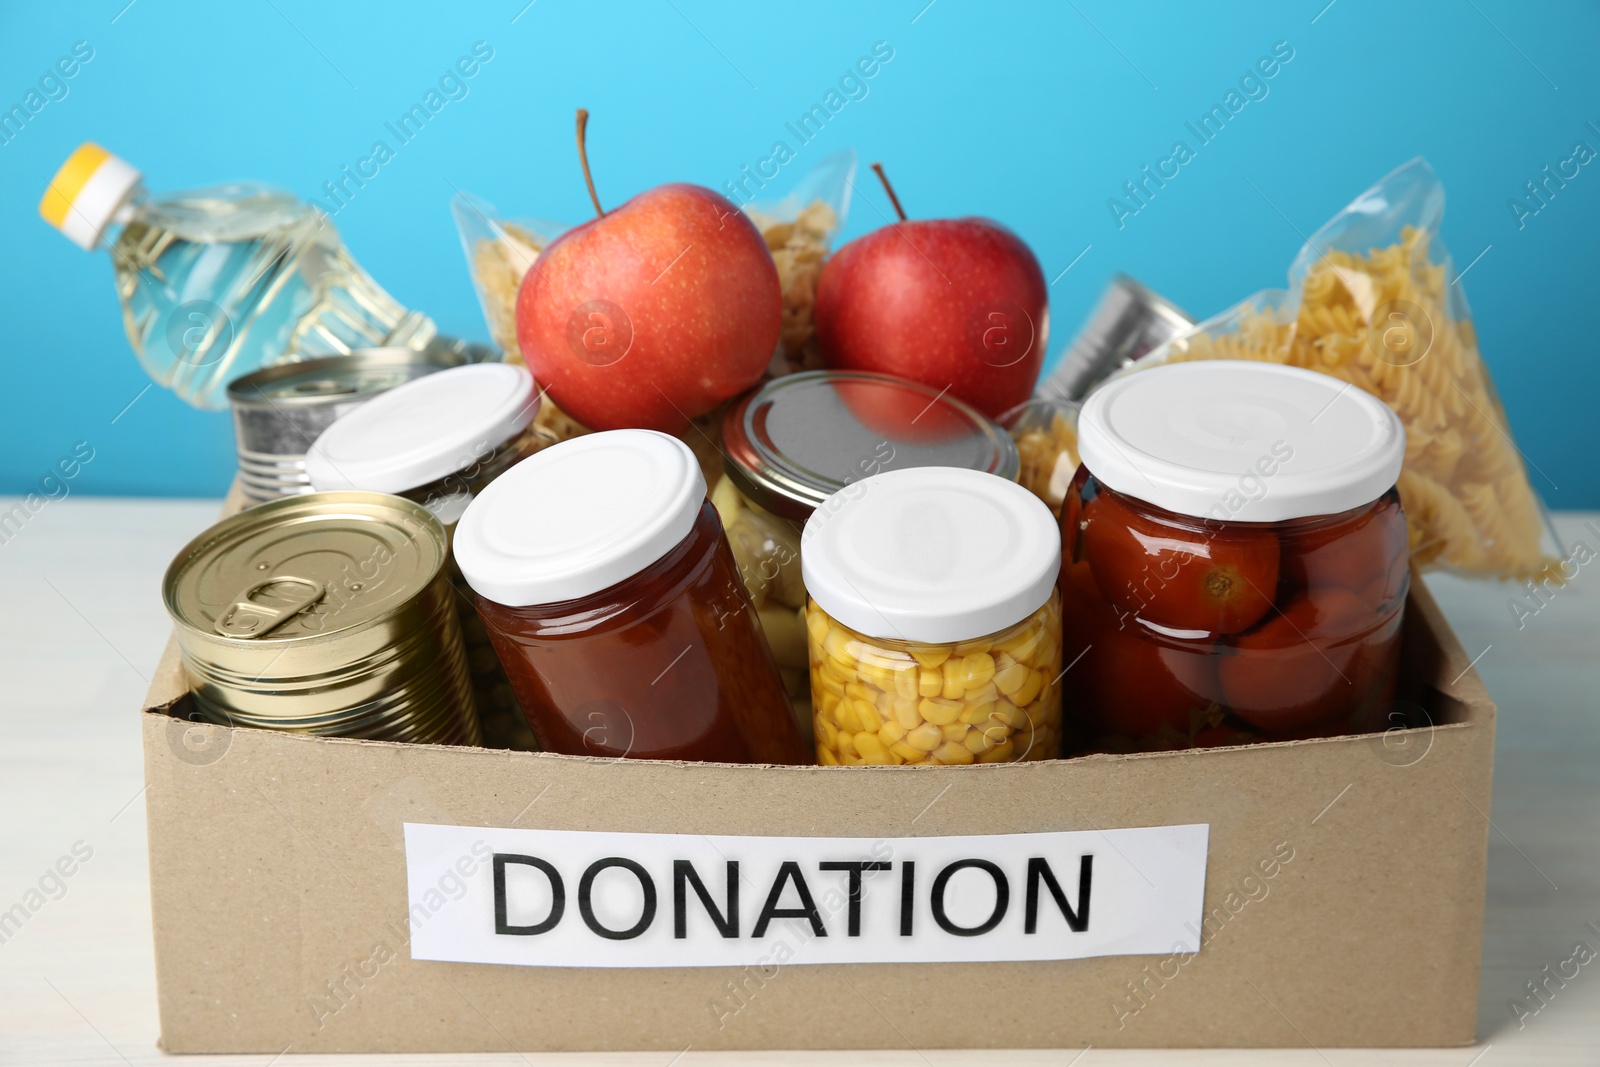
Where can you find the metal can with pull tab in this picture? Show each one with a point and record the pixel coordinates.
(328, 613)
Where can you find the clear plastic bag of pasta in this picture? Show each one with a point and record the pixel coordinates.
(1373, 299)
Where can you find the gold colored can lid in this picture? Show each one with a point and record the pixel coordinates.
(305, 567)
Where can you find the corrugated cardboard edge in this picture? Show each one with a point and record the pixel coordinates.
(278, 879)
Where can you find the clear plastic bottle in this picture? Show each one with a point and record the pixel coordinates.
(216, 283)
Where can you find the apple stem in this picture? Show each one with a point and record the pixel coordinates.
(877, 169)
(583, 157)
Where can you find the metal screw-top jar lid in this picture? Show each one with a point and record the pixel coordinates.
(799, 439)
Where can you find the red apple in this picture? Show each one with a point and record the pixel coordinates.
(957, 304)
(654, 312)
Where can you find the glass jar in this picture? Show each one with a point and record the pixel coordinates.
(1234, 558)
(798, 439)
(612, 597)
(934, 623)
(438, 441)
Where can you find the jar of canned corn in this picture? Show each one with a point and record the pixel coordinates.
(933, 623)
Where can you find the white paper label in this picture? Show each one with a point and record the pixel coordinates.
(563, 898)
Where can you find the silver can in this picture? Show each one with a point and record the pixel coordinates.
(278, 411)
(1129, 322)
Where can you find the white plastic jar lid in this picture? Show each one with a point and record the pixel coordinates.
(1241, 441)
(579, 517)
(425, 429)
(931, 554)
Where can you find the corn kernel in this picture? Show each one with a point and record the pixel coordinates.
(816, 626)
(834, 675)
(956, 731)
(871, 674)
(977, 714)
(987, 693)
(907, 752)
(1008, 713)
(930, 682)
(977, 669)
(836, 645)
(940, 712)
(827, 736)
(1010, 678)
(1031, 688)
(952, 754)
(1004, 752)
(867, 713)
(872, 750)
(848, 720)
(930, 656)
(927, 737)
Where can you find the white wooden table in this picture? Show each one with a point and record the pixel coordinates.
(81, 626)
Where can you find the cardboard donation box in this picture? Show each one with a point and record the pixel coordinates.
(350, 896)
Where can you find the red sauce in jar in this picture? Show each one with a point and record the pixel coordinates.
(1198, 632)
(666, 664)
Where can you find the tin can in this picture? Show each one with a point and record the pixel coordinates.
(1129, 322)
(328, 613)
(278, 411)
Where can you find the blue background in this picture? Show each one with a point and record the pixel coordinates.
(1032, 114)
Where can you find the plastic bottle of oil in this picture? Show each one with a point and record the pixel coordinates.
(216, 283)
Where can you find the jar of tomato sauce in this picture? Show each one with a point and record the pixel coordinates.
(609, 591)
(1234, 558)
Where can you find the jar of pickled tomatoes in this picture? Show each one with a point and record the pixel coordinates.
(608, 588)
(1234, 558)
(934, 623)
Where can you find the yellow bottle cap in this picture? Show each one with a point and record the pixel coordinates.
(86, 193)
